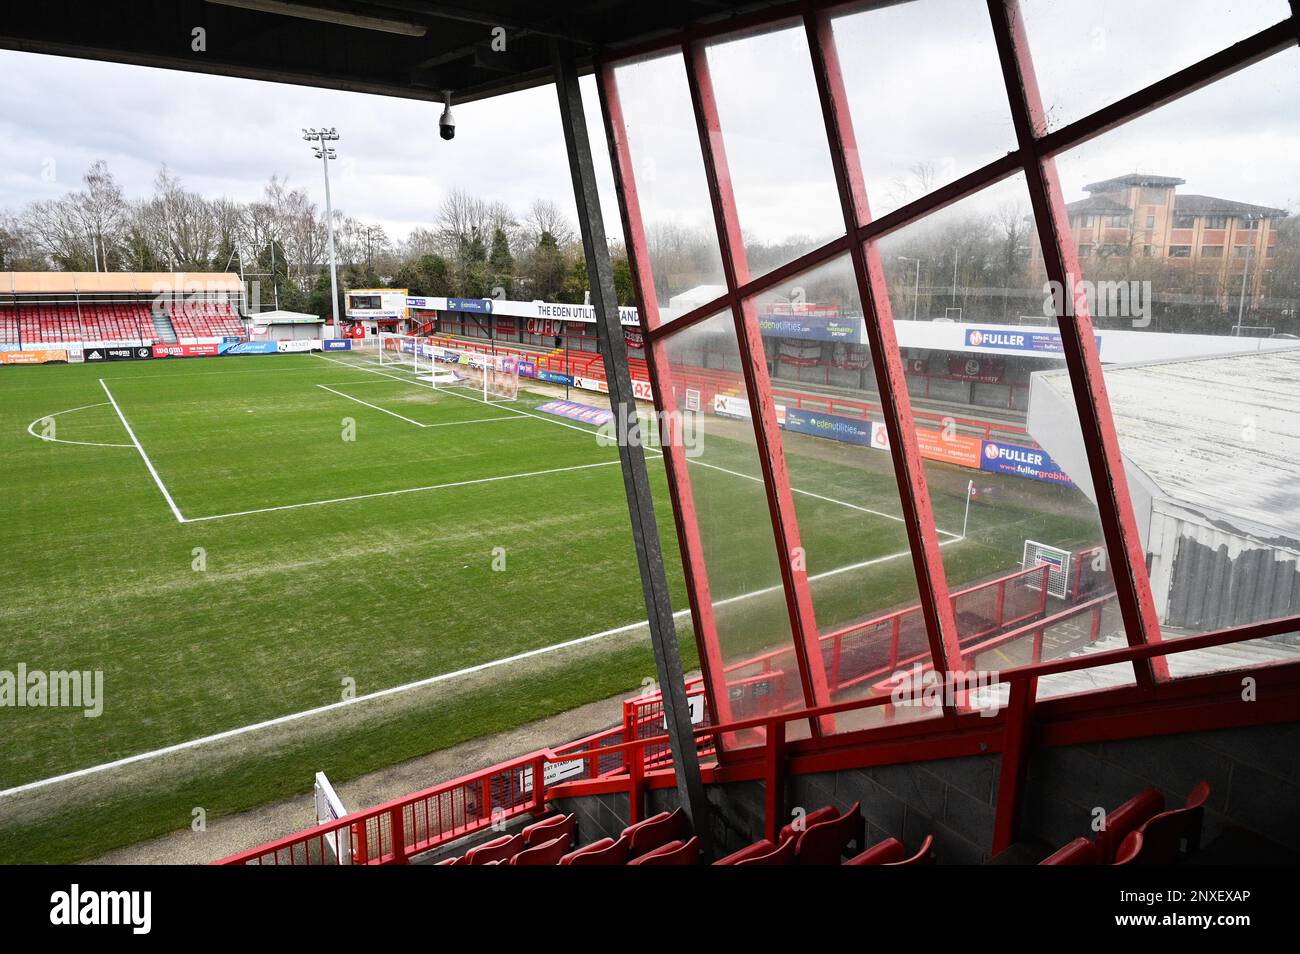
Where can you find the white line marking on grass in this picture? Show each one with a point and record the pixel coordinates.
(830, 500)
(406, 687)
(176, 511)
(651, 450)
(60, 440)
(417, 384)
(406, 490)
(479, 420)
(382, 410)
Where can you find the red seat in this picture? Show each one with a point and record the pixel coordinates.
(448, 861)
(498, 849)
(824, 843)
(1171, 834)
(797, 828)
(548, 828)
(675, 852)
(881, 853)
(1130, 816)
(547, 853)
(1081, 851)
(756, 850)
(1130, 849)
(783, 854)
(655, 831)
(607, 851)
(924, 855)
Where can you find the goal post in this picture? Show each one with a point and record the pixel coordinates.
(400, 351)
(491, 378)
(1057, 562)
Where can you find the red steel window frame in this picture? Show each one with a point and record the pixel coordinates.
(1034, 156)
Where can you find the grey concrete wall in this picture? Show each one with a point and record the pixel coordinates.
(951, 799)
(1254, 774)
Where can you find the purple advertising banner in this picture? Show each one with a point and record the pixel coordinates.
(578, 412)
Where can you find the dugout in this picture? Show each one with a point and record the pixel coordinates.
(284, 326)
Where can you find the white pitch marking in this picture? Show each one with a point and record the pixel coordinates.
(176, 511)
(478, 420)
(60, 440)
(385, 374)
(651, 450)
(406, 687)
(382, 410)
(406, 490)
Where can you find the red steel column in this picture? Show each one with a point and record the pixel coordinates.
(895, 402)
(776, 478)
(1105, 461)
(675, 461)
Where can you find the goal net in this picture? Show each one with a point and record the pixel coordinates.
(490, 378)
(1057, 562)
(403, 351)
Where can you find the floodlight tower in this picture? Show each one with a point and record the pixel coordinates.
(325, 153)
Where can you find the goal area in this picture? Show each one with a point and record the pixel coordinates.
(490, 378)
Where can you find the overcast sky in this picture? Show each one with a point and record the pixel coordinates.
(923, 83)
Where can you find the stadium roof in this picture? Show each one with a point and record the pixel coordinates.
(1219, 435)
(408, 48)
(152, 283)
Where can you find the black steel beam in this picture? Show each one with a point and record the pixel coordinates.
(636, 479)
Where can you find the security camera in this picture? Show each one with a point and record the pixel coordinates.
(447, 123)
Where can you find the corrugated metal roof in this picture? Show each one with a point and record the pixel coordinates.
(1218, 435)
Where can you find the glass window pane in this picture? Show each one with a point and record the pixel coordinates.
(845, 493)
(1020, 536)
(701, 368)
(775, 139)
(1198, 316)
(671, 186)
(925, 93)
(1089, 53)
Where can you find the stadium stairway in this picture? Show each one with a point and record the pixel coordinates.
(162, 326)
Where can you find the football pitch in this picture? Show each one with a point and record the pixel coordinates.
(237, 541)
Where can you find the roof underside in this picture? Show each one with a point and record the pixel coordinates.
(1219, 436)
(455, 50)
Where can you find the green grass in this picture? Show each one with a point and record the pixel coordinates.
(384, 590)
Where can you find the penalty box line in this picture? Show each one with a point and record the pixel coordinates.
(384, 410)
(153, 471)
(404, 490)
(698, 463)
(418, 684)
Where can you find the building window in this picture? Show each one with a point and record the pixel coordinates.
(1110, 251)
(1241, 251)
(1216, 222)
(1180, 251)
(1247, 225)
(1184, 220)
(1085, 251)
(1116, 221)
(1146, 250)
(1212, 251)
(1151, 221)
(1085, 221)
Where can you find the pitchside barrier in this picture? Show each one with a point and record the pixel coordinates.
(620, 757)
